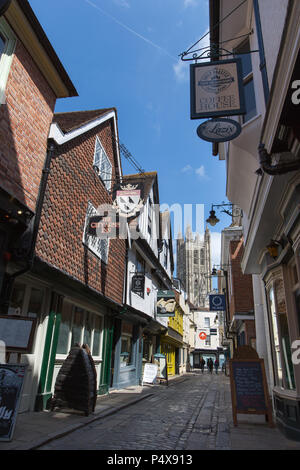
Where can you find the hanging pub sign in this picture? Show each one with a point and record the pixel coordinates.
(217, 89)
(219, 130)
(128, 198)
(217, 302)
(138, 284)
(103, 226)
(165, 303)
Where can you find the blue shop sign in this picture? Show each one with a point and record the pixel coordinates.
(217, 302)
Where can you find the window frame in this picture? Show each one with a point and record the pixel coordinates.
(6, 56)
(87, 311)
(85, 235)
(97, 165)
(246, 80)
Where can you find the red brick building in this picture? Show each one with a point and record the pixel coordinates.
(239, 323)
(31, 79)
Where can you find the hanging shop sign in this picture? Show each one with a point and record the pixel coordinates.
(138, 284)
(217, 89)
(219, 130)
(11, 384)
(202, 335)
(103, 226)
(128, 198)
(165, 303)
(217, 302)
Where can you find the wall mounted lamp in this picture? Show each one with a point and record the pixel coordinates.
(272, 247)
(213, 220)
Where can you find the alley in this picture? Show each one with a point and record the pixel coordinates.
(193, 413)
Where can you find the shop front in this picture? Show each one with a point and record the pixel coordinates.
(127, 353)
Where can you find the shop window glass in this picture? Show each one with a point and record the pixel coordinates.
(286, 351)
(64, 329)
(97, 336)
(17, 299)
(77, 326)
(35, 302)
(126, 344)
(87, 337)
(275, 337)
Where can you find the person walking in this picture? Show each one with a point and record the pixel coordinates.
(210, 365)
(202, 364)
(216, 365)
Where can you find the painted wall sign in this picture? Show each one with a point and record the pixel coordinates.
(217, 89)
(217, 302)
(166, 303)
(219, 130)
(11, 384)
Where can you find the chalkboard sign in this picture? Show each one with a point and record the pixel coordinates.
(11, 385)
(249, 390)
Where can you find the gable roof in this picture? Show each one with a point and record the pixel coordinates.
(149, 179)
(73, 120)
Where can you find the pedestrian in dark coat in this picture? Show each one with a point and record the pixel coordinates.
(210, 365)
(202, 364)
(216, 365)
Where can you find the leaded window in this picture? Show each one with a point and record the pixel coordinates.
(97, 245)
(102, 164)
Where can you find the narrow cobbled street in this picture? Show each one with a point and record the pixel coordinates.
(193, 413)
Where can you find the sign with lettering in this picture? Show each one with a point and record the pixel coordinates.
(219, 130)
(138, 284)
(11, 385)
(217, 302)
(150, 373)
(249, 389)
(217, 89)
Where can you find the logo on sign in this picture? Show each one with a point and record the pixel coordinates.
(219, 130)
(217, 302)
(202, 335)
(216, 80)
(128, 200)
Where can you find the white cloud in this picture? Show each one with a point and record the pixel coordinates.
(201, 172)
(187, 169)
(181, 70)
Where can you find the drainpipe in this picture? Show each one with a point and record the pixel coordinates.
(36, 222)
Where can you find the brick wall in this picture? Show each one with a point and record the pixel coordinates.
(241, 299)
(24, 127)
(72, 183)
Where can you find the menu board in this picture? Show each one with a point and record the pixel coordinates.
(249, 388)
(17, 332)
(150, 373)
(11, 384)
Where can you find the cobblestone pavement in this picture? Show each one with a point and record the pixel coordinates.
(192, 414)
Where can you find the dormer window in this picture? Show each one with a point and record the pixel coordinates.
(102, 165)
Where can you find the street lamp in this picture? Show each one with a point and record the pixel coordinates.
(213, 220)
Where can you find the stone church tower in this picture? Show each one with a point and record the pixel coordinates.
(194, 266)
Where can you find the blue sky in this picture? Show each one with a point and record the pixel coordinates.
(124, 54)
